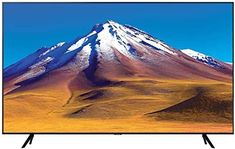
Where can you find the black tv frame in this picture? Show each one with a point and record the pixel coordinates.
(31, 134)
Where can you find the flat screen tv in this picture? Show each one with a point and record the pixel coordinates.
(117, 68)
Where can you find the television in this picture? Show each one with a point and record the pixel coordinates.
(117, 68)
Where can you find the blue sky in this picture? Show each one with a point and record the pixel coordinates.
(206, 28)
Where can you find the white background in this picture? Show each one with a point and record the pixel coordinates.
(114, 141)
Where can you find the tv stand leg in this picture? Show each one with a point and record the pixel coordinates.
(29, 140)
(207, 140)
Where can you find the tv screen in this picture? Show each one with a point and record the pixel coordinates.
(118, 67)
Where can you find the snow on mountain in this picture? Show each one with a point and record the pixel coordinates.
(41, 58)
(208, 60)
(230, 63)
(42, 62)
(53, 47)
(106, 37)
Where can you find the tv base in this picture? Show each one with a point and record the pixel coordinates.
(29, 140)
(207, 140)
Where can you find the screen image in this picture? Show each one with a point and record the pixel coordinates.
(117, 68)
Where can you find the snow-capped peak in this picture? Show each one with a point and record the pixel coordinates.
(208, 60)
(111, 22)
(111, 35)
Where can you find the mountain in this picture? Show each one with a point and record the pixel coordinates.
(112, 50)
(208, 60)
(116, 77)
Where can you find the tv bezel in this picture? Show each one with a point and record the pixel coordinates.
(118, 133)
